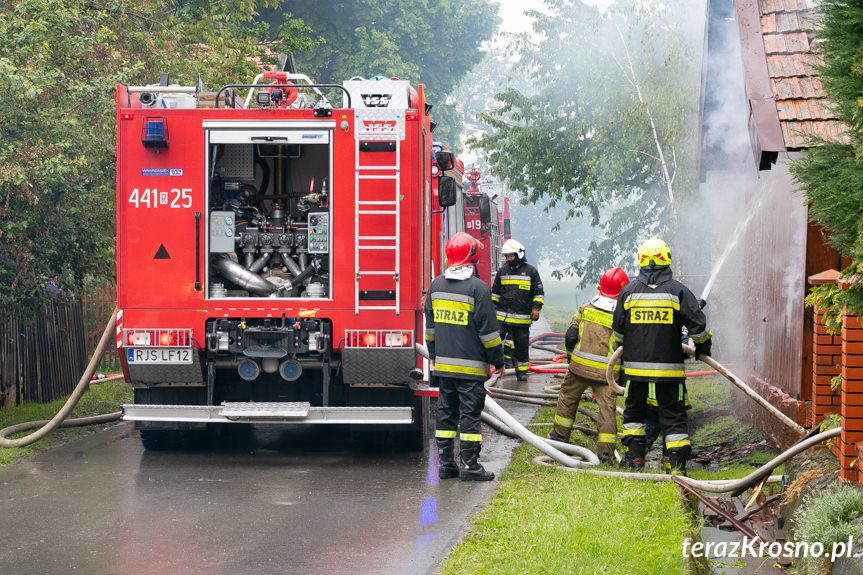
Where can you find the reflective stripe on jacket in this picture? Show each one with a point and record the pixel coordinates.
(462, 334)
(516, 292)
(595, 343)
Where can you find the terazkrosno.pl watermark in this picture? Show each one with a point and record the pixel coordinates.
(755, 547)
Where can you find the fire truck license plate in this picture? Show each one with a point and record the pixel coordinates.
(159, 355)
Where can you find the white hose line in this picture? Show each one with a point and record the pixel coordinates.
(790, 423)
(718, 485)
(609, 371)
(547, 446)
(79, 390)
(501, 427)
(557, 450)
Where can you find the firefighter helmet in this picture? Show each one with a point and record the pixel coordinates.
(612, 281)
(513, 247)
(461, 249)
(654, 251)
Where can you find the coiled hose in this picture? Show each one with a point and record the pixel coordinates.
(59, 420)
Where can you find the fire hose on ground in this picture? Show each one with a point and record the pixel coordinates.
(615, 357)
(499, 419)
(59, 420)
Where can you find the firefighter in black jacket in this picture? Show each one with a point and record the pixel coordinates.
(650, 313)
(517, 295)
(463, 341)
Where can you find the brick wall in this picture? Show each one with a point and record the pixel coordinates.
(852, 396)
(827, 361)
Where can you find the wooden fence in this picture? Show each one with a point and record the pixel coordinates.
(42, 358)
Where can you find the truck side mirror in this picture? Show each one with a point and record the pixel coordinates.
(484, 210)
(444, 160)
(446, 191)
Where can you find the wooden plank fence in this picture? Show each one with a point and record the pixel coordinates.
(43, 358)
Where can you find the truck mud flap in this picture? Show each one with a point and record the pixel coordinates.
(378, 365)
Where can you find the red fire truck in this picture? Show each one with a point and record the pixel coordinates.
(272, 254)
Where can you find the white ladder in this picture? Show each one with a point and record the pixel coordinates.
(377, 125)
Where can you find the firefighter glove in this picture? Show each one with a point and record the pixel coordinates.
(534, 314)
(702, 348)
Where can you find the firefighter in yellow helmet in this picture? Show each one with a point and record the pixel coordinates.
(518, 296)
(650, 314)
(463, 339)
(589, 344)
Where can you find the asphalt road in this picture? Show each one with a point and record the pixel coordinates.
(293, 500)
(287, 500)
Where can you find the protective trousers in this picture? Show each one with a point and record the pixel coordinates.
(520, 335)
(653, 429)
(571, 389)
(459, 405)
(671, 409)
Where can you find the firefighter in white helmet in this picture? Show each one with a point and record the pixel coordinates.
(589, 344)
(650, 314)
(463, 340)
(518, 296)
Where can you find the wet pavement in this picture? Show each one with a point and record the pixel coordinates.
(104, 505)
(291, 500)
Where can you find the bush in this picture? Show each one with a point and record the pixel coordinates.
(826, 517)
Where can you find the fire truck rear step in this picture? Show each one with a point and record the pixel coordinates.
(268, 412)
(265, 409)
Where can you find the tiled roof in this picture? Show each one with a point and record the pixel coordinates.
(788, 33)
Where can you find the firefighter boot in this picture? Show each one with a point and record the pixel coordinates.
(605, 454)
(633, 459)
(677, 458)
(554, 436)
(447, 468)
(471, 470)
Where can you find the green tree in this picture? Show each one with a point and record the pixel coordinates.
(832, 174)
(606, 129)
(433, 42)
(59, 64)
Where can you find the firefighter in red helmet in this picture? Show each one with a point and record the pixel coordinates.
(588, 345)
(463, 339)
(518, 297)
(651, 312)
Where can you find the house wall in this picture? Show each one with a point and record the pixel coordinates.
(775, 282)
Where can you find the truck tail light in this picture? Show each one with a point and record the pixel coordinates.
(378, 338)
(158, 337)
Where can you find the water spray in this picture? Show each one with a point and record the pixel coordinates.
(735, 237)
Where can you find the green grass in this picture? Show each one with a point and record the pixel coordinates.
(553, 521)
(714, 392)
(102, 398)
